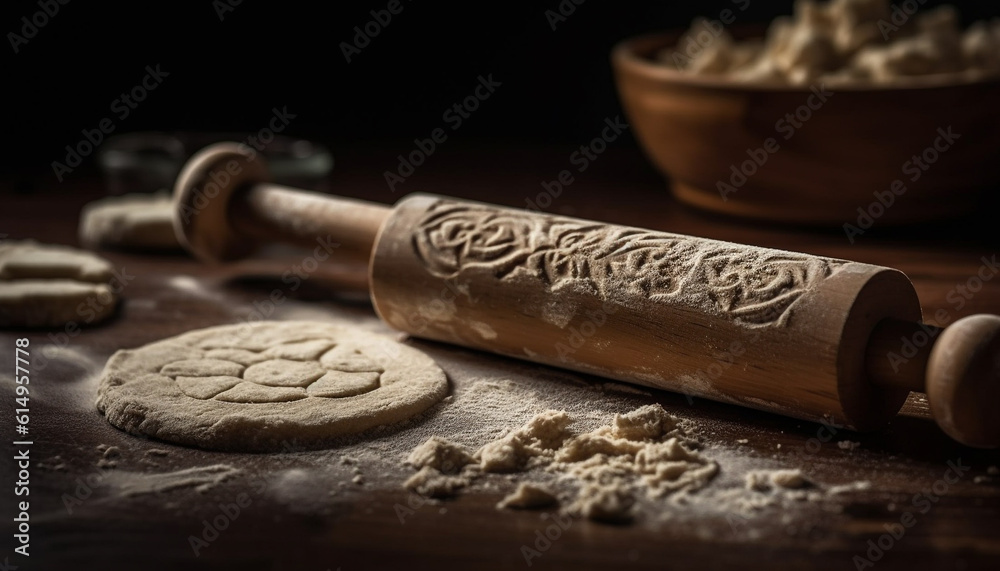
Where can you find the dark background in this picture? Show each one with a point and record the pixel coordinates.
(227, 75)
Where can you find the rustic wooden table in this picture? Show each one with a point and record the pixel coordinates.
(78, 520)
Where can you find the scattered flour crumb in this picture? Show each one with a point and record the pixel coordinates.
(539, 438)
(431, 483)
(790, 479)
(767, 488)
(992, 471)
(613, 472)
(54, 463)
(529, 496)
(109, 456)
(852, 487)
(150, 457)
(185, 283)
(608, 503)
(358, 479)
(643, 452)
(438, 462)
(848, 445)
(441, 455)
(763, 481)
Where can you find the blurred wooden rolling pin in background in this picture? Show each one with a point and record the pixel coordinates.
(800, 335)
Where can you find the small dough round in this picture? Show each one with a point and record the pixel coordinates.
(138, 222)
(267, 386)
(43, 285)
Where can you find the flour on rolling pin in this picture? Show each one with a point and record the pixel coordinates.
(668, 311)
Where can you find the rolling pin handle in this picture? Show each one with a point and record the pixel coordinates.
(958, 367)
(224, 208)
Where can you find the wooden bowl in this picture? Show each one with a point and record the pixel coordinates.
(846, 155)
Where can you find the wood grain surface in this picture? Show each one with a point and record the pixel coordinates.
(361, 529)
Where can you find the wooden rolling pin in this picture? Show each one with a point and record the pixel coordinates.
(800, 335)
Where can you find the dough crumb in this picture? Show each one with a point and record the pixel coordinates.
(853, 486)
(358, 479)
(440, 454)
(607, 503)
(645, 423)
(848, 445)
(54, 463)
(431, 483)
(529, 496)
(763, 481)
(540, 437)
(109, 457)
(150, 457)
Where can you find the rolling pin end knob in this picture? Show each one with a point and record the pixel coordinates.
(963, 381)
(201, 201)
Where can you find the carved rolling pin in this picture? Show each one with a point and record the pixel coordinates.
(800, 335)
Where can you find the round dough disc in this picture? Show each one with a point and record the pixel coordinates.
(269, 386)
(139, 222)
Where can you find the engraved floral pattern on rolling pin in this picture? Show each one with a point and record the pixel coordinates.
(752, 286)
